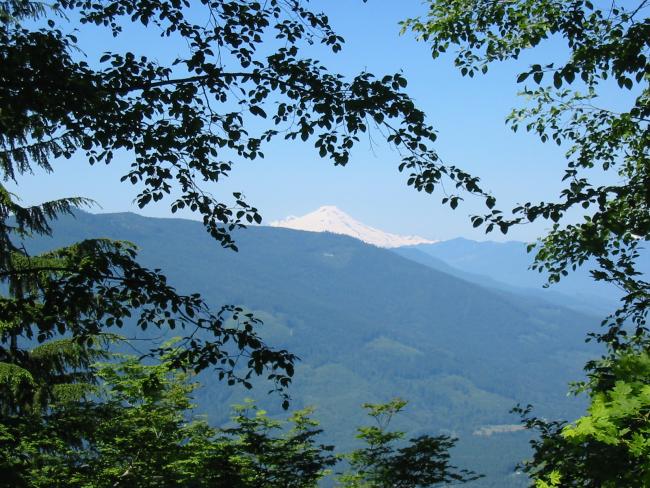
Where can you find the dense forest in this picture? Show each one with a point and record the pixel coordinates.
(77, 409)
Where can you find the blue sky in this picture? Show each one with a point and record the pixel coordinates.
(292, 180)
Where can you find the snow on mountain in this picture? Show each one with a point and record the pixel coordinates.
(332, 219)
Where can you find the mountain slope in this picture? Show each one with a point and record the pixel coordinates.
(581, 302)
(331, 219)
(369, 325)
(507, 263)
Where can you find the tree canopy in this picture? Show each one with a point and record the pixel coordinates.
(183, 123)
(243, 79)
(385, 461)
(140, 429)
(607, 45)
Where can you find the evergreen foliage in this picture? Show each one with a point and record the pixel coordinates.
(424, 461)
(140, 430)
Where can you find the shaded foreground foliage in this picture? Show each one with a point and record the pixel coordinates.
(137, 429)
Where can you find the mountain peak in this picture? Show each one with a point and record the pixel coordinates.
(330, 218)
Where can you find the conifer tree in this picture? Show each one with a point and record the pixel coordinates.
(140, 429)
(386, 461)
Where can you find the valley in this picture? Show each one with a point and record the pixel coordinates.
(370, 325)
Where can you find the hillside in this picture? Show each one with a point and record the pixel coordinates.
(370, 325)
(573, 297)
(505, 265)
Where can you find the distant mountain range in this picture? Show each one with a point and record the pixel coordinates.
(368, 325)
(331, 219)
(495, 265)
(504, 267)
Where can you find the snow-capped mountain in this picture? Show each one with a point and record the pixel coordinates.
(331, 219)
